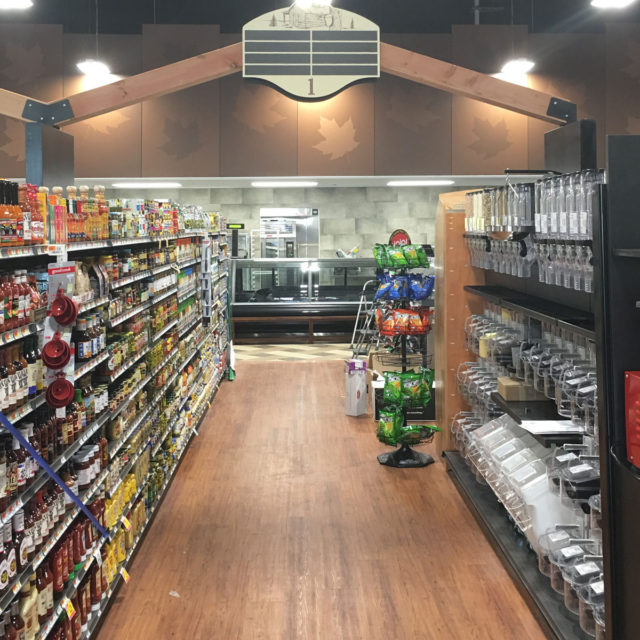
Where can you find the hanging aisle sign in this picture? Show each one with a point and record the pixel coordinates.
(311, 49)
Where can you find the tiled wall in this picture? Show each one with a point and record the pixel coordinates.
(349, 217)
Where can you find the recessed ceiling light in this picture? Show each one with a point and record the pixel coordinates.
(16, 4)
(92, 67)
(147, 185)
(611, 4)
(283, 184)
(420, 183)
(518, 66)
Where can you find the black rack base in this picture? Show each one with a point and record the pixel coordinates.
(521, 563)
(405, 458)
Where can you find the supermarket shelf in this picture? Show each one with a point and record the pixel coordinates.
(191, 291)
(22, 252)
(220, 276)
(123, 282)
(165, 294)
(537, 410)
(188, 263)
(519, 561)
(114, 322)
(91, 365)
(164, 331)
(19, 333)
(187, 328)
(41, 479)
(26, 409)
(134, 392)
(124, 242)
(128, 364)
(581, 322)
(92, 304)
(32, 566)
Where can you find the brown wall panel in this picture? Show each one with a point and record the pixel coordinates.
(259, 130)
(580, 77)
(623, 78)
(486, 139)
(109, 145)
(335, 136)
(412, 121)
(180, 132)
(31, 64)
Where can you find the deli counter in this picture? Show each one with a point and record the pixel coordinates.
(294, 299)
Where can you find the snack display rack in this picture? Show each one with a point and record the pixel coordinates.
(406, 316)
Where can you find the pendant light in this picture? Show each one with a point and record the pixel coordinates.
(96, 72)
(516, 69)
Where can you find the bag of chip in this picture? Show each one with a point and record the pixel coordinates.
(389, 426)
(384, 288)
(421, 288)
(422, 256)
(413, 389)
(385, 321)
(380, 254)
(396, 257)
(399, 288)
(402, 318)
(411, 255)
(416, 323)
(392, 393)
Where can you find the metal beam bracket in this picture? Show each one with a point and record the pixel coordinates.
(47, 113)
(563, 110)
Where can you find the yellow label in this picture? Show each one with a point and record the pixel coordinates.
(125, 575)
(506, 315)
(67, 605)
(126, 523)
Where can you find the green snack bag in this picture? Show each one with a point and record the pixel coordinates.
(411, 255)
(413, 389)
(388, 427)
(427, 378)
(392, 387)
(422, 257)
(396, 257)
(380, 254)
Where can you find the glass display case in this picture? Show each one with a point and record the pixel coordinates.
(297, 298)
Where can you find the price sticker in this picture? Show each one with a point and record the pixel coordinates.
(98, 556)
(16, 587)
(126, 523)
(67, 605)
(61, 412)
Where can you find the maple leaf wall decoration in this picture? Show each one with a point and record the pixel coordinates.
(12, 139)
(491, 139)
(108, 123)
(22, 63)
(256, 109)
(182, 140)
(339, 140)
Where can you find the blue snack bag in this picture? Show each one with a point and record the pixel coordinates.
(384, 288)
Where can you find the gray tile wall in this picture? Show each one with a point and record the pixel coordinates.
(349, 217)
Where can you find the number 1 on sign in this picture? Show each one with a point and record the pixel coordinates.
(311, 93)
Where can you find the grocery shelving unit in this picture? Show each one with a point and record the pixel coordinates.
(190, 407)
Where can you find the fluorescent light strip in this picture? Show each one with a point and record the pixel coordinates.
(283, 184)
(611, 4)
(420, 183)
(16, 4)
(147, 185)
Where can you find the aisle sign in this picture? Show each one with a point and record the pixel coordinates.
(311, 49)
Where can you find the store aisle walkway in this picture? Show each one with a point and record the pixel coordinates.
(281, 525)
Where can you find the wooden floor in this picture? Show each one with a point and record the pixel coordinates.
(281, 525)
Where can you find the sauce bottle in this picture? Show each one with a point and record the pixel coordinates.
(17, 621)
(4, 489)
(20, 542)
(47, 575)
(41, 584)
(28, 531)
(13, 381)
(20, 456)
(24, 373)
(39, 365)
(10, 552)
(12, 470)
(32, 367)
(57, 569)
(4, 570)
(82, 341)
(9, 632)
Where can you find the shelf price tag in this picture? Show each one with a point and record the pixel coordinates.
(67, 605)
(126, 524)
(98, 557)
(125, 575)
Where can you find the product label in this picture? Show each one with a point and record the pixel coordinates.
(584, 224)
(126, 523)
(83, 477)
(4, 397)
(567, 457)
(28, 536)
(563, 219)
(68, 607)
(32, 371)
(574, 225)
(4, 575)
(587, 568)
(554, 222)
(24, 550)
(3, 479)
(581, 468)
(571, 552)
(49, 591)
(598, 588)
(125, 575)
(42, 603)
(21, 475)
(84, 349)
(13, 388)
(12, 563)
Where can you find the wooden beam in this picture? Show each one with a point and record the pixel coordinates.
(465, 82)
(157, 82)
(12, 104)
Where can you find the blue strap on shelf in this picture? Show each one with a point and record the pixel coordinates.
(50, 472)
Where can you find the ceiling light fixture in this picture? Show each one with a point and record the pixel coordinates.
(611, 4)
(97, 72)
(307, 4)
(16, 4)
(519, 66)
(147, 185)
(283, 184)
(420, 183)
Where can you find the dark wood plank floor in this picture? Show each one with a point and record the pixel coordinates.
(281, 525)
